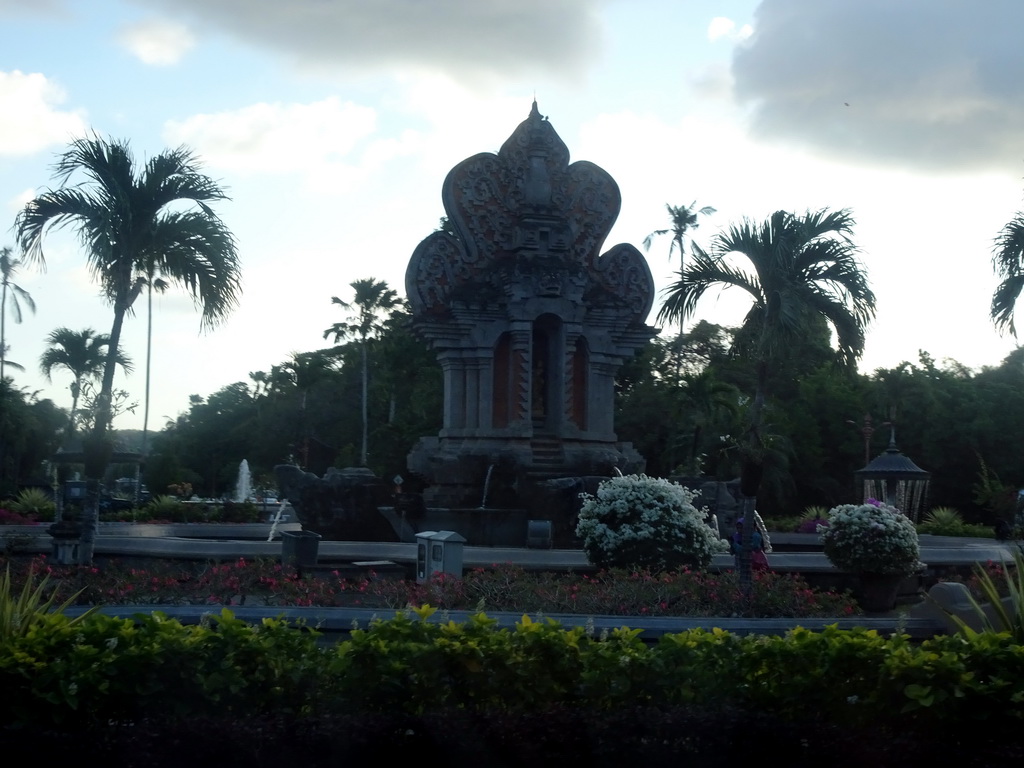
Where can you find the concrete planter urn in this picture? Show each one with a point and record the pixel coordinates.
(878, 591)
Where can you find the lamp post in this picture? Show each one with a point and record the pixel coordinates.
(867, 429)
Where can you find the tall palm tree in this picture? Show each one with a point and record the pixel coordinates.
(372, 298)
(684, 218)
(305, 370)
(1008, 263)
(8, 268)
(82, 354)
(805, 270)
(134, 221)
(153, 283)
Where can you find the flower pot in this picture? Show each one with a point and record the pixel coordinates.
(878, 591)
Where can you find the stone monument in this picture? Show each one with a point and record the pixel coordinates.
(530, 322)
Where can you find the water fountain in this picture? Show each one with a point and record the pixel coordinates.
(487, 486)
(243, 486)
(278, 517)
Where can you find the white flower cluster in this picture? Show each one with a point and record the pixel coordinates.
(871, 538)
(640, 521)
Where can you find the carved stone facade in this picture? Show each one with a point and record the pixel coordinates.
(529, 321)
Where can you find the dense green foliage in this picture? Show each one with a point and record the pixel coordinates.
(107, 669)
(306, 410)
(956, 423)
(30, 430)
(675, 402)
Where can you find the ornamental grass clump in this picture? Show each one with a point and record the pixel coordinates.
(33, 503)
(871, 538)
(636, 521)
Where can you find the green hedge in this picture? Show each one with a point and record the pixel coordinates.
(105, 670)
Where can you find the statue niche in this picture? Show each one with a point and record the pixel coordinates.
(530, 322)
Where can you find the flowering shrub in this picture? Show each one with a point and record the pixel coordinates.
(7, 517)
(497, 588)
(871, 538)
(811, 524)
(637, 521)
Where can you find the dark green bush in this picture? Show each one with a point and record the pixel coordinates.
(106, 669)
(103, 670)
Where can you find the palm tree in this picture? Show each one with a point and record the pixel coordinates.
(305, 370)
(82, 354)
(8, 268)
(1008, 263)
(805, 271)
(372, 297)
(684, 218)
(153, 283)
(132, 223)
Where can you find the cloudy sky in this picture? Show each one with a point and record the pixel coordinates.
(332, 124)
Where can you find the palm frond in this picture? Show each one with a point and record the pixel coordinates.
(705, 271)
(1008, 264)
(1004, 301)
(801, 265)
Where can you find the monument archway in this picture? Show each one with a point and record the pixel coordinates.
(529, 320)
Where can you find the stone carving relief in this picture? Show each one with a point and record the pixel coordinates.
(525, 216)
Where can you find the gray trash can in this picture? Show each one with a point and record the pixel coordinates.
(538, 534)
(300, 548)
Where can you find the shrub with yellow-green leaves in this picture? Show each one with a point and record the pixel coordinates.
(105, 669)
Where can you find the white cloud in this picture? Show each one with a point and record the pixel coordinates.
(157, 42)
(469, 41)
(32, 121)
(720, 27)
(276, 138)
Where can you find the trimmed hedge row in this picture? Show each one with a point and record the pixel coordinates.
(107, 670)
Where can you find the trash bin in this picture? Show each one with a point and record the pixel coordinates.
(538, 534)
(300, 548)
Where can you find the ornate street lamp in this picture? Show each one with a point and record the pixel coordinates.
(893, 478)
